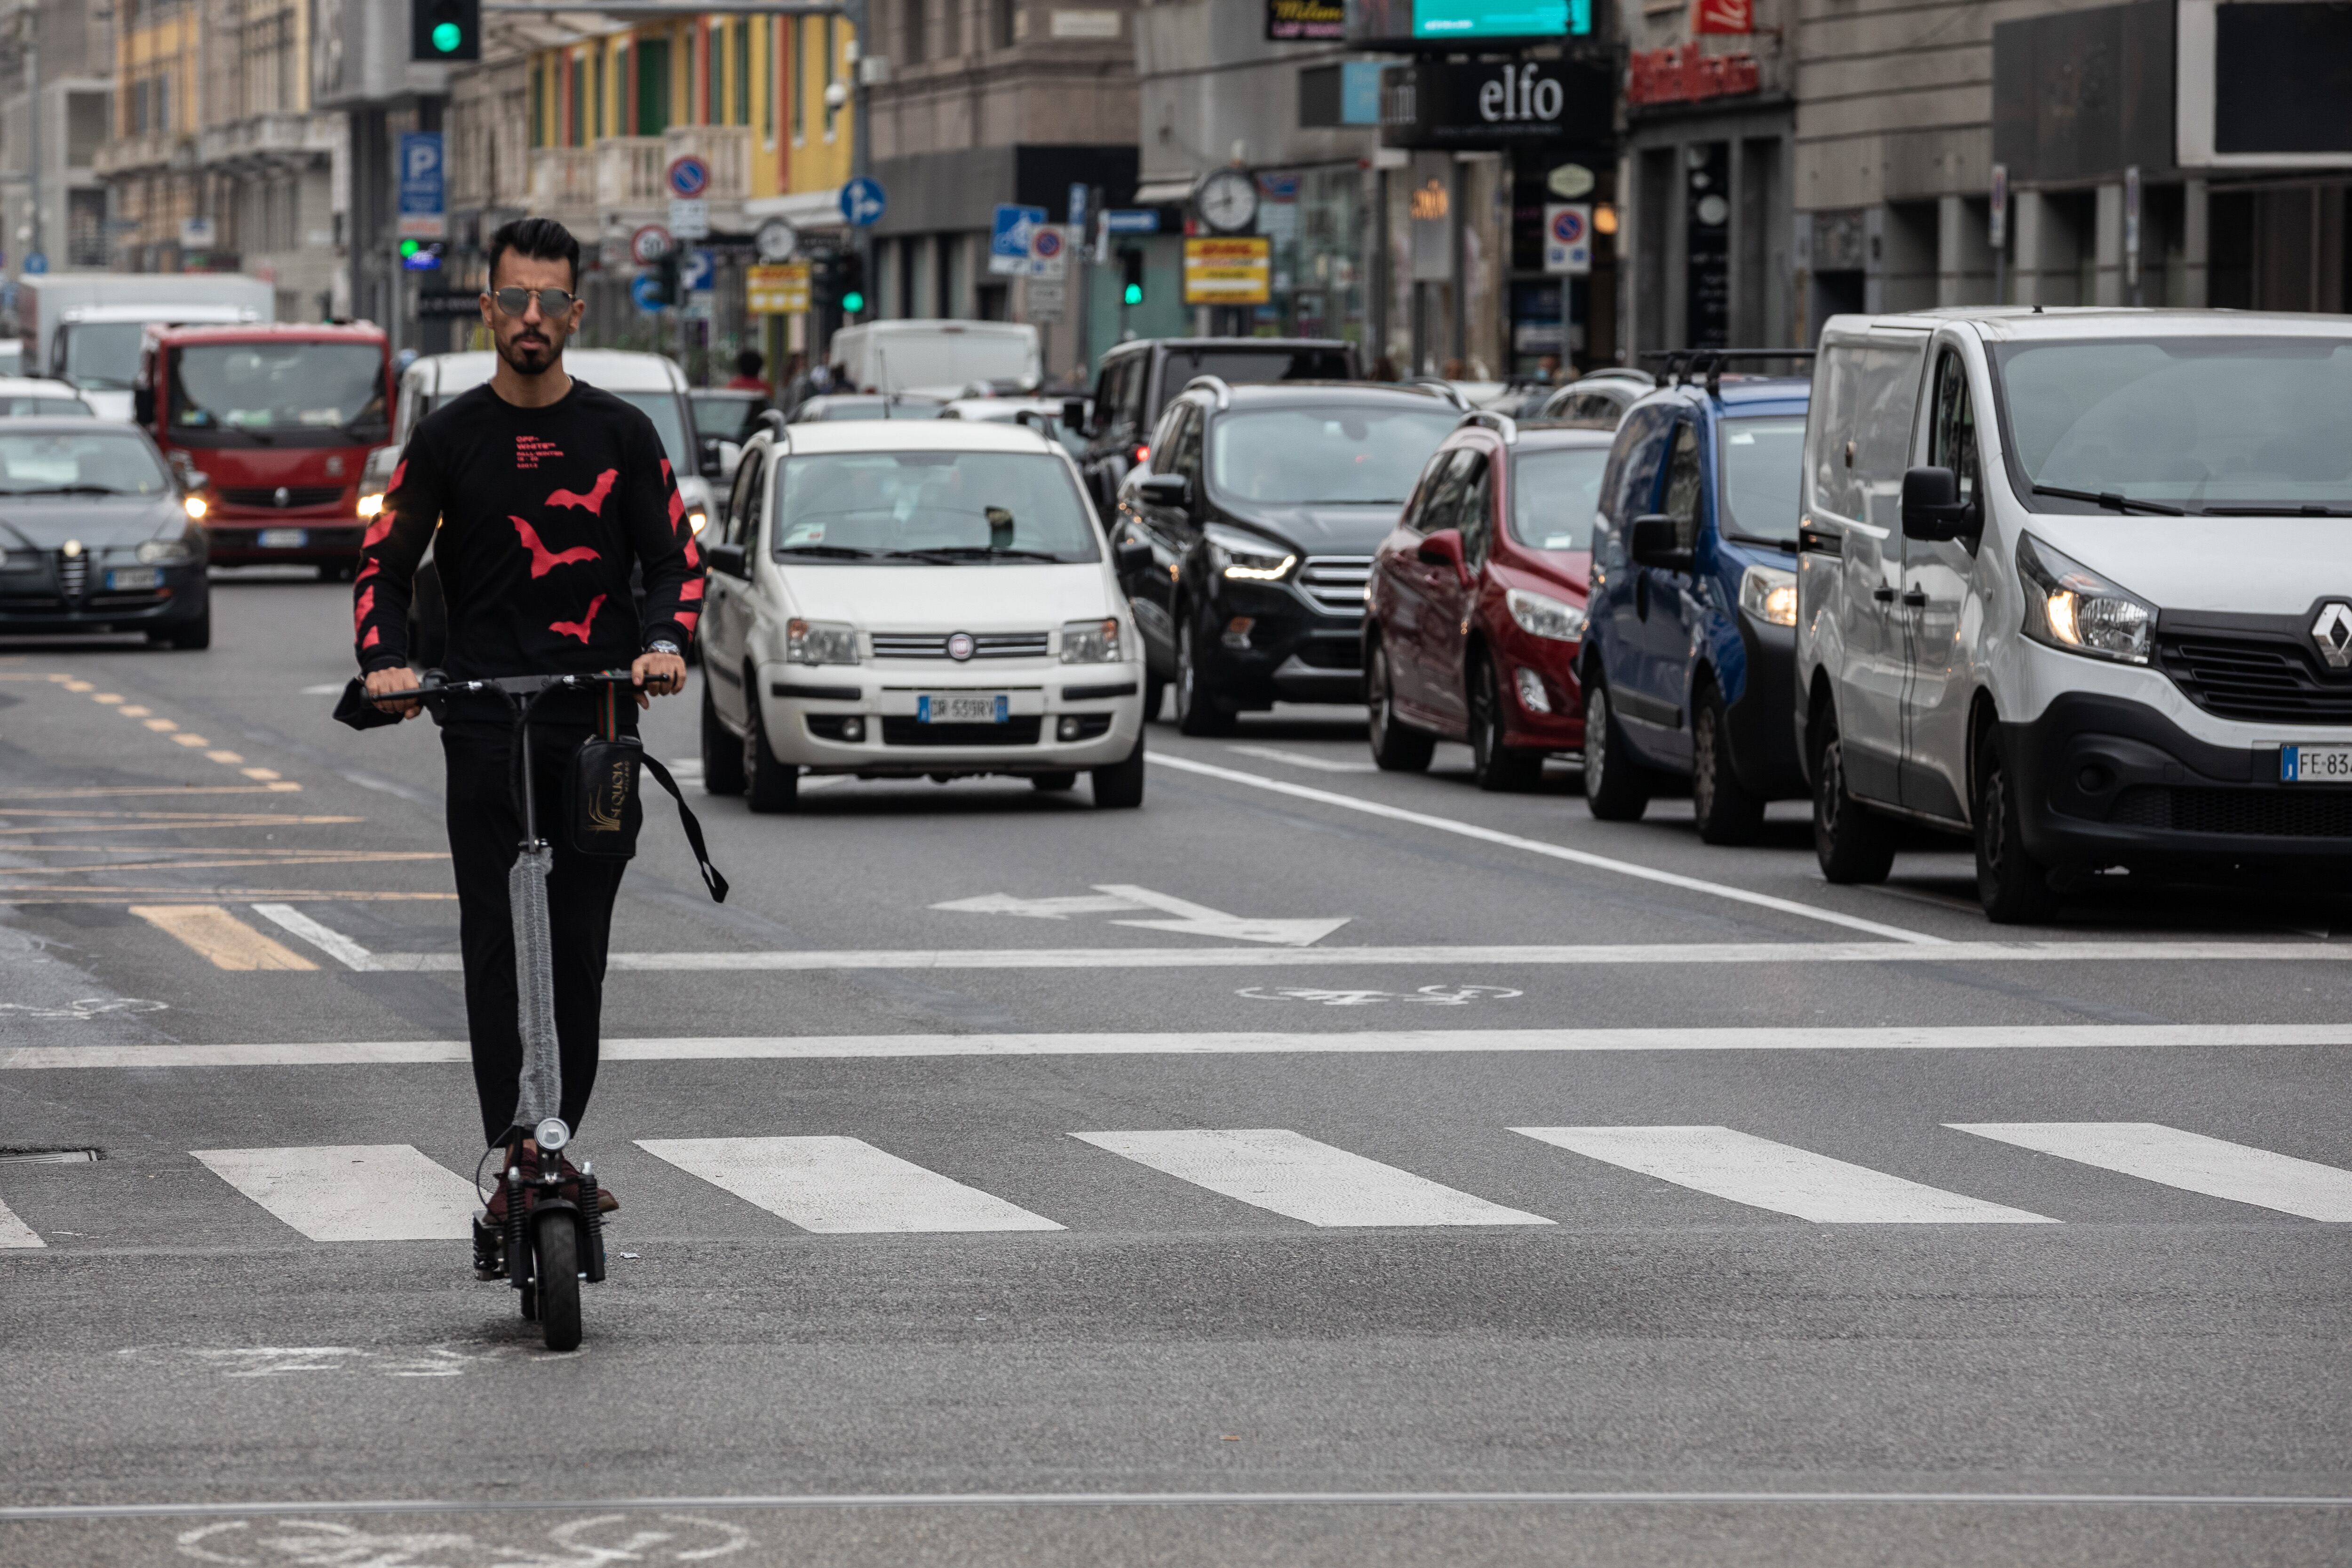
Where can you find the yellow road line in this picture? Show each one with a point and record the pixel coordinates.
(264, 774)
(100, 894)
(248, 859)
(220, 936)
(184, 739)
(158, 725)
(227, 759)
(108, 697)
(94, 793)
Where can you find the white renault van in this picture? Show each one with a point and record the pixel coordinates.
(895, 598)
(2078, 584)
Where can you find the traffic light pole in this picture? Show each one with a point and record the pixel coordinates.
(859, 14)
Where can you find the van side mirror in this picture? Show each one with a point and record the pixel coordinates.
(143, 405)
(1654, 543)
(727, 558)
(1171, 490)
(1133, 557)
(1074, 416)
(1932, 509)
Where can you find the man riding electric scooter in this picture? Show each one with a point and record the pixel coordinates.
(545, 493)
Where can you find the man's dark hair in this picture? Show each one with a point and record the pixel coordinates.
(536, 240)
(748, 362)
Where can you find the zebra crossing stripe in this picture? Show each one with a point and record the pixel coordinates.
(14, 1232)
(840, 1186)
(1763, 1174)
(1276, 1169)
(2191, 1161)
(352, 1192)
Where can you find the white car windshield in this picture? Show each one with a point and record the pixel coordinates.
(931, 507)
(2192, 423)
(1363, 455)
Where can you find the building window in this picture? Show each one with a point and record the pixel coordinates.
(742, 71)
(714, 74)
(1007, 14)
(600, 94)
(625, 115)
(538, 103)
(832, 69)
(577, 129)
(912, 43)
(797, 76)
(768, 99)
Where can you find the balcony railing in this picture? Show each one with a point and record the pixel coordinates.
(562, 179)
(629, 172)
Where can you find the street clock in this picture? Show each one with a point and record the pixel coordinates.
(1226, 200)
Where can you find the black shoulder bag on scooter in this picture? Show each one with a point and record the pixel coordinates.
(601, 809)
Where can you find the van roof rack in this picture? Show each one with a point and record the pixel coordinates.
(1501, 424)
(1212, 384)
(1685, 366)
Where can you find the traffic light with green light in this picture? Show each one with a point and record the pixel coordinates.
(445, 30)
(1130, 272)
(852, 277)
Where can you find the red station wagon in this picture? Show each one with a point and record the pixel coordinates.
(280, 419)
(1476, 606)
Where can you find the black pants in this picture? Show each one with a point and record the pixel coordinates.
(485, 826)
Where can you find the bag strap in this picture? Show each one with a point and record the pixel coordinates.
(710, 875)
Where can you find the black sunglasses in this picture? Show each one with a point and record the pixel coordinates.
(552, 301)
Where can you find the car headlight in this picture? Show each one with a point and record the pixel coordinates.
(196, 506)
(1540, 616)
(1248, 557)
(820, 642)
(2070, 607)
(163, 552)
(370, 505)
(1090, 642)
(1769, 595)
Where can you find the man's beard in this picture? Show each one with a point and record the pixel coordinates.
(529, 357)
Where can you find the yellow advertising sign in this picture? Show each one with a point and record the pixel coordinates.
(1228, 271)
(779, 290)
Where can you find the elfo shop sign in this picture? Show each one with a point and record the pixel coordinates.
(1228, 270)
(1446, 104)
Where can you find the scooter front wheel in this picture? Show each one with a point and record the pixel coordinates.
(559, 1280)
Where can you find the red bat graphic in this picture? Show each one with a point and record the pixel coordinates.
(594, 501)
(542, 559)
(578, 628)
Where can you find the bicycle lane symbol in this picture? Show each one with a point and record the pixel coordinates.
(590, 1543)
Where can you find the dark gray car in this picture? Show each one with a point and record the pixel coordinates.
(97, 535)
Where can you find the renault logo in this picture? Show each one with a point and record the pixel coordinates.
(2332, 632)
(283, 495)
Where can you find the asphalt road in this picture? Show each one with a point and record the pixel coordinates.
(1316, 1166)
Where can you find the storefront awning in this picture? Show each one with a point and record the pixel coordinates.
(802, 209)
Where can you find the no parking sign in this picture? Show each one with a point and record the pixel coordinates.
(1568, 237)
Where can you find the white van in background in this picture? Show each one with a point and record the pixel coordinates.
(2078, 584)
(939, 359)
(86, 327)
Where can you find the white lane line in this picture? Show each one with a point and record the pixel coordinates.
(1275, 1168)
(2191, 1161)
(14, 1232)
(840, 1186)
(326, 939)
(1301, 760)
(352, 1192)
(1540, 847)
(1763, 1174)
(1435, 1042)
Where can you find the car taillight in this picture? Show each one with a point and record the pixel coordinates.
(1143, 456)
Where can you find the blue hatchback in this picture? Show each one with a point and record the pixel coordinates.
(1691, 635)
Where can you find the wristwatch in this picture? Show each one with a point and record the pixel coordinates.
(664, 646)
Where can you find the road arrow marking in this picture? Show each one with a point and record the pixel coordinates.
(1198, 920)
(1042, 909)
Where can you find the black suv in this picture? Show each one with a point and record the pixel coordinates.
(1134, 382)
(1246, 545)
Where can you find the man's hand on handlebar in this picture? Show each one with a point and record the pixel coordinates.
(658, 675)
(383, 683)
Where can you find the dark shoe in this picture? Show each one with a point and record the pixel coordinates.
(528, 1160)
(605, 1201)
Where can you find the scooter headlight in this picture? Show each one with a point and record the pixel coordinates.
(552, 1134)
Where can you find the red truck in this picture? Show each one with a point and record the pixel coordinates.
(278, 420)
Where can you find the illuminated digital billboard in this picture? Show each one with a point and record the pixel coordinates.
(1408, 22)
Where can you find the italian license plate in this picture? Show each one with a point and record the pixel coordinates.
(134, 577)
(962, 708)
(2316, 765)
(282, 537)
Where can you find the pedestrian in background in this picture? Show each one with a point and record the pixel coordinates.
(747, 365)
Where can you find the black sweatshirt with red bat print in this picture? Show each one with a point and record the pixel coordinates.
(542, 514)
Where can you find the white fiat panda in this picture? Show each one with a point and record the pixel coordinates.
(895, 598)
(2078, 584)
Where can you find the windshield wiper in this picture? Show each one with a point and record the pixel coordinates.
(2298, 511)
(2109, 499)
(950, 553)
(68, 491)
(838, 552)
